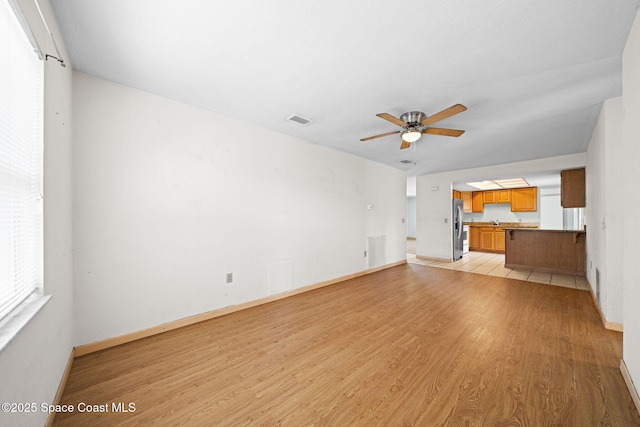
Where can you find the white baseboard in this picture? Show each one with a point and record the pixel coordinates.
(612, 326)
(632, 389)
(430, 258)
(61, 386)
(133, 336)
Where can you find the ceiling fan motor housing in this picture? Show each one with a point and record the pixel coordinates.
(413, 118)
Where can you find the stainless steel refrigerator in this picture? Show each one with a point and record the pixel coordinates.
(458, 238)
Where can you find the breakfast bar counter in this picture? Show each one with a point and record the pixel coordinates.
(550, 251)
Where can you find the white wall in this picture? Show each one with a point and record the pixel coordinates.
(631, 178)
(434, 198)
(411, 216)
(605, 206)
(168, 199)
(31, 366)
(551, 217)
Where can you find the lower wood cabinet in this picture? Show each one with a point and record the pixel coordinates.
(498, 240)
(474, 238)
(486, 239)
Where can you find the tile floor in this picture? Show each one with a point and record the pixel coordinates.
(493, 265)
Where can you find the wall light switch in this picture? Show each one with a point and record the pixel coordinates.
(229, 277)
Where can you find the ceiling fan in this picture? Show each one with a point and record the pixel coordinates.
(415, 123)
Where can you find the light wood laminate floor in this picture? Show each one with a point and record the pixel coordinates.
(410, 345)
(493, 265)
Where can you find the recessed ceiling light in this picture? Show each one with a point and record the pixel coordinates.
(512, 183)
(498, 184)
(484, 185)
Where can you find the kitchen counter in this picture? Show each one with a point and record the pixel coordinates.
(542, 229)
(550, 251)
(504, 224)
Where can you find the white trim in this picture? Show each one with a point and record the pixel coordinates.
(632, 389)
(15, 6)
(19, 317)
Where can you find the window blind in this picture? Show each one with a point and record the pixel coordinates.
(21, 163)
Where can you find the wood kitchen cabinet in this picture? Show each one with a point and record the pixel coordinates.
(486, 238)
(497, 196)
(456, 194)
(572, 188)
(498, 240)
(477, 201)
(466, 200)
(524, 199)
(491, 239)
(489, 196)
(502, 196)
(474, 238)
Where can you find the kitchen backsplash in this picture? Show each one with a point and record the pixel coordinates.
(502, 212)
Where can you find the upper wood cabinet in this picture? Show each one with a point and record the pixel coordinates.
(456, 194)
(572, 188)
(524, 199)
(466, 200)
(503, 196)
(497, 196)
(477, 201)
(489, 196)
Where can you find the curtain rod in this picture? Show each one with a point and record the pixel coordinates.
(55, 45)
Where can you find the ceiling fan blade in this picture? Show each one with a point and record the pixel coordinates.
(390, 118)
(405, 144)
(443, 132)
(379, 136)
(458, 108)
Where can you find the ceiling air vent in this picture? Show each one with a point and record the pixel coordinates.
(299, 120)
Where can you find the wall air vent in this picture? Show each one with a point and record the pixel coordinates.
(299, 120)
(406, 162)
(598, 287)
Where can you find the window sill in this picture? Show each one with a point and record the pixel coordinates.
(18, 318)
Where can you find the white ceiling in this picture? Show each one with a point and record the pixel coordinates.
(533, 74)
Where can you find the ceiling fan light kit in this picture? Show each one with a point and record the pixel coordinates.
(415, 123)
(411, 135)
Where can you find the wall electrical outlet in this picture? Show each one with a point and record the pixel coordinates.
(229, 277)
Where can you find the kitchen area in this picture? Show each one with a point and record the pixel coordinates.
(537, 229)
